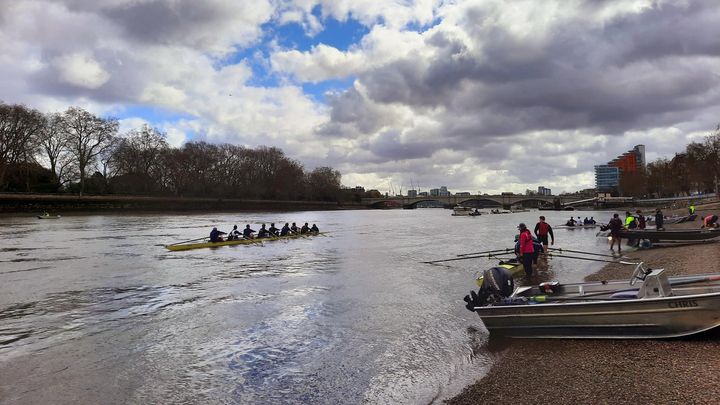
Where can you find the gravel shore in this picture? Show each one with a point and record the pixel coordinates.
(679, 371)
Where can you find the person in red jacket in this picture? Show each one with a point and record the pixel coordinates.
(542, 230)
(526, 249)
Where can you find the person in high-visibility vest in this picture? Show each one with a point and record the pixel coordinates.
(691, 209)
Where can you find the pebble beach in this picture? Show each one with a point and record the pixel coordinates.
(564, 371)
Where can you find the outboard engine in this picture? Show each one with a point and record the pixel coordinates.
(497, 284)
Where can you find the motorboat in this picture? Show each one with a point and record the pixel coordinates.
(649, 305)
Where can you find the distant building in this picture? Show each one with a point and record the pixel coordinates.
(444, 192)
(412, 193)
(544, 190)
(607, 176)
(423, 194)
(434, 192)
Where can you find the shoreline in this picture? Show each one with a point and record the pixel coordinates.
(683, 370)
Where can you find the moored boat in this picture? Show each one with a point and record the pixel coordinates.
(460, 211)
(48, 216)
(654, 235)
(513, 266)
(208, 244)
(649, 305)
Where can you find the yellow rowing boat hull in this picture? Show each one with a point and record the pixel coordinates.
(514, 269)
(201, 245)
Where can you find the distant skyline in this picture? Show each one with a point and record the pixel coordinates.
(483, 95)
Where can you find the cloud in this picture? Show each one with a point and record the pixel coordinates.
(475, 95)
(81, 69)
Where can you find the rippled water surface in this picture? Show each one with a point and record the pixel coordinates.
(94, 310)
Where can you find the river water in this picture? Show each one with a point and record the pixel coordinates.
(94, 310)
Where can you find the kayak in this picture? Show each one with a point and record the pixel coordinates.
(207, 244)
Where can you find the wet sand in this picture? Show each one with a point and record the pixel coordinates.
(683, 371)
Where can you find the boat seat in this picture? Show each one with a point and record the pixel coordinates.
(626, 294)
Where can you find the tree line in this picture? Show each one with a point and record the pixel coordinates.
(78, 152)
(697, 169)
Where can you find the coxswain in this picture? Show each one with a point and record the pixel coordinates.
(710, 221)
(527, 251)
(273, 231)
(294, 228)
(263, 232)
(285, 230)
(234, 234)
(247, 232)
(305, 229)
(542, 230)
(215, 235)
(314, 229)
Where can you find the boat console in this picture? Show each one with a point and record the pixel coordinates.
(655, 282)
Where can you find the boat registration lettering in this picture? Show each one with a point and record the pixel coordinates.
(683, 304)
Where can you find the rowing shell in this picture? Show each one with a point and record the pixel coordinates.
(513, 267)
(208, 244)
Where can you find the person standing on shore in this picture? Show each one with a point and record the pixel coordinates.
(691, 209)
(616, 226)
(542, 230)
(527, 250)
(710, 221)
(630, 221)
(640, 219)
(659, 219)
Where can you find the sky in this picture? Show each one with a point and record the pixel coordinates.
(478, 95)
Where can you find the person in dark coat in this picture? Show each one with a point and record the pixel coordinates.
(659, 219)
(616, 225)
(215, 235)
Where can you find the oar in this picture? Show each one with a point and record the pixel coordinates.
(589, 259)
(560, 250)
(481, 253)
(458, 258)
(186, 241)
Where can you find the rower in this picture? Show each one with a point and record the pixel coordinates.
(570, 222)
(234, 234)
(305, 229)
(314, 229)
(586, 221)
(263, 232)
(247, 232)
(273, 231)
(294, 228)
(285, 230)
(592, 221)
(215, 235)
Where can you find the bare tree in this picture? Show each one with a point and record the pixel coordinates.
(87, 137)
(19, 130)
(54, 146)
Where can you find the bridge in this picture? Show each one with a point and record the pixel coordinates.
(479, 201)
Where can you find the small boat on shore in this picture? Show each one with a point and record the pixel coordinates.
(649, 305)
(654, 235)
(674, 220)
(48, 216)
(207, 244)
(513, 266)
